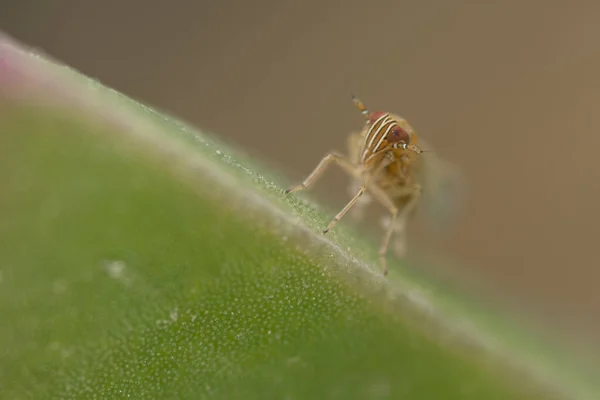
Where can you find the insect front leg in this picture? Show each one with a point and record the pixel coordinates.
(358, 211)
(323, 164)
(348, 206)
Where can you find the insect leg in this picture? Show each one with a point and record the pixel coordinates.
(323, 164)
(356, 197)
(397, 219)
(403, 217)
(354, 144)
(387, 202)
(339, 216)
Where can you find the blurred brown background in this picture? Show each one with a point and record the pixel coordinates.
(509, 91)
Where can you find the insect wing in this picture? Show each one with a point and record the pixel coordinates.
(444, 191)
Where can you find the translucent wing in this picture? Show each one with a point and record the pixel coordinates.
(444, 191)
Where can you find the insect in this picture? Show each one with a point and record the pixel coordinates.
(386, 164)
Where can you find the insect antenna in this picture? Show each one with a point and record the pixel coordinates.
(361, 107)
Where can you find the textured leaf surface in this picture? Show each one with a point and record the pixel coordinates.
(141, 259)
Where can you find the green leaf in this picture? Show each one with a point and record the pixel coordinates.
(140, 258)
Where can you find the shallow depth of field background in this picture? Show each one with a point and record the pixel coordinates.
(508, 91)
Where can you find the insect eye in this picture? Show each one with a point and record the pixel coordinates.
(397, 135)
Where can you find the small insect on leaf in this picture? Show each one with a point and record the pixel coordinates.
(386, 164)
